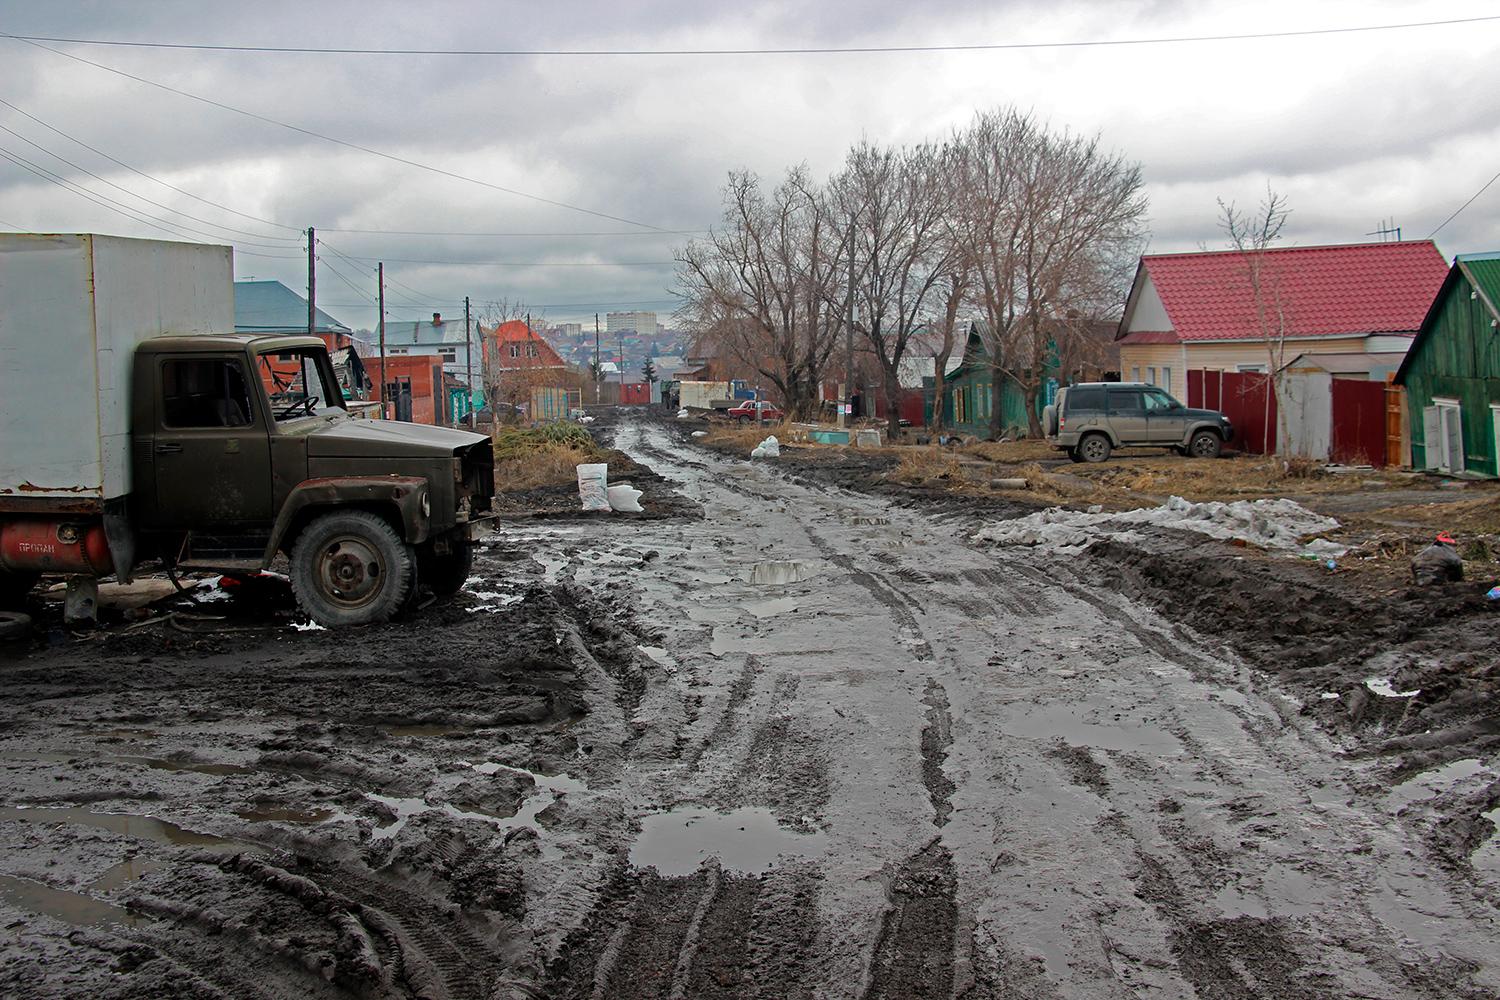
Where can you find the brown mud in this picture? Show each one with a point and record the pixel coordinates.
(787, 737)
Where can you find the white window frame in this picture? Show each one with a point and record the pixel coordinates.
(1151, 375)
(1135, 373)
(1250, 369)
(1166, 378)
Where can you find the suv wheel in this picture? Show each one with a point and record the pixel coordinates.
(1094, 448)
(1074, 456)
(350, 568)
(1205, 444)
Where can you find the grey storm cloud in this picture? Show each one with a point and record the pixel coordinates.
(1353, 128)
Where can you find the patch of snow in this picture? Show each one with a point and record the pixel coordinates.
(1276, 525)
(309, 626)
(1330, 696)
(1382, 687)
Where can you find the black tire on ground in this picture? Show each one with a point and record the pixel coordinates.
(351, 568)
(1094, 448)
(14, 587)
(1074, 456)
(445, 574)
(743, 419)
(14, 625)
(1205, 444)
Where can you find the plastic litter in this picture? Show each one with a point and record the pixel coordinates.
(625, 498)
(769, 448)
(1438, 563)
(1493, 594)
(699, 434)
(1331, 566)
(682, 414)
(593, 478)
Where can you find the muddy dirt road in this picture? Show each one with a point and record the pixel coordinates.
(812, 744)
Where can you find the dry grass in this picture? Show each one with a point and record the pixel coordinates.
(532, 459)
(1238, 478)
(1012, 452)
(927, 467)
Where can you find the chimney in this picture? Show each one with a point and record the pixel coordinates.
(437, 319)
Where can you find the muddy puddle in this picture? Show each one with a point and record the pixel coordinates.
(777, 572)
(1430, 784)
(298, 817)
(679, 841)
(128, 825)
(770, 609)
(547, 789)
(61, 904)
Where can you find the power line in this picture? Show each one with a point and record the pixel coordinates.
(156, 180)
(339, 142)
(414, 232)
(1465, 205)
(769, 51)
(119, 208)
(369, 299)
(511, 263)
(168, 208)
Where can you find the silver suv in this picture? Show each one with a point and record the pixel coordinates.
(1091, 419)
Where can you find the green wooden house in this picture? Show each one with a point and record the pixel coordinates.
(968, 393)
(1452, 373)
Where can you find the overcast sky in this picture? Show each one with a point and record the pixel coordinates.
(1353, 128)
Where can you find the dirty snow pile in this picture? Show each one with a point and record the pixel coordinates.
(1267, 524)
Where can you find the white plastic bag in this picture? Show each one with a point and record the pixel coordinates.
(625, 498)
(769, 448)
(682, 414)
(592, 480)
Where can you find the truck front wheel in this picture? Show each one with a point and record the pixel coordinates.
(350, 568)
(445, 573)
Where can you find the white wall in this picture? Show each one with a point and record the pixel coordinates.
(1149, 313)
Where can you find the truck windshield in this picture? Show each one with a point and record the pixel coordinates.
(300, 382)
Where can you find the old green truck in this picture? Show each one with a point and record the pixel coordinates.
(136, 430)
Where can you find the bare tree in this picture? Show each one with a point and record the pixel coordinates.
(954, 293)
(507, 380)
(1048, 221)
(758, 284)
(1251, 236)
(896, 203)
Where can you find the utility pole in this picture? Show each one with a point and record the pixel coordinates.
(468, 365)
(597, 372)
(312, 281)
(380, 278)
(848, 402)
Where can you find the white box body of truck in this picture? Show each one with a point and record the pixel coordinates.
(702, 394)
(72, 310)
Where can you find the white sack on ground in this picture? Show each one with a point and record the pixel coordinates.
(682, 414)
(625, 498)
(592, 477)
(1267, 524)
(769, 448)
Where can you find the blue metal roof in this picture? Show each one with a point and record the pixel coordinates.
(271, 307)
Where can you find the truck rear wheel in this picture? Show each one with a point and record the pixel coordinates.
(1094, 448)
(350, 568)
(445, 573)
(14, 587)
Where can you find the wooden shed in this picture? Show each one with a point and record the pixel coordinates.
(1452, 372)
(968, 394)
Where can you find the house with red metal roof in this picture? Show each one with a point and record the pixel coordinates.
(524, 373)
(1216, 310)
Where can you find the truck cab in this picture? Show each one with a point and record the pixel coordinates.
(241, 447)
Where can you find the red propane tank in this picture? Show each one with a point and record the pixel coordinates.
(33, 545)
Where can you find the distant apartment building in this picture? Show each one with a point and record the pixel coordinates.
(643, 323)
(572, 331)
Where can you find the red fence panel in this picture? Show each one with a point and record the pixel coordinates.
(1243, 398)
(1359, 421)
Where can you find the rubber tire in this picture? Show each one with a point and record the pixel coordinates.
(1094, 448)
(1073, 455)
(1205, 444)
(14, 625)
(743, 419)
(444, 575)
(14, 587)
(397, 569)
